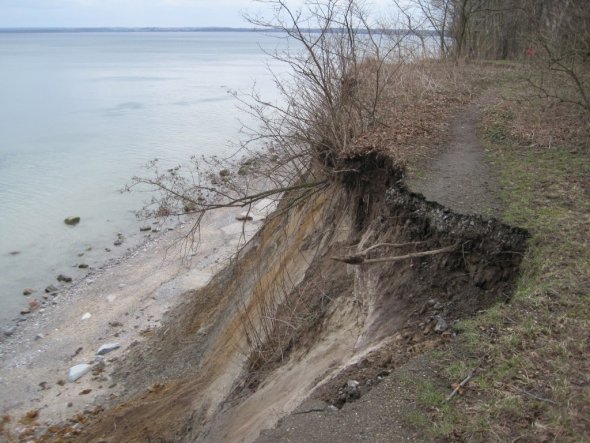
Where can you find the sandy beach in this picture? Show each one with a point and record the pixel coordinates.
(120, 303)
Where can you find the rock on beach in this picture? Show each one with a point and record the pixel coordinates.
(64, 278)
(51, 288)
(75, 372)
(72, 220)
(245, 216)
(106, 348)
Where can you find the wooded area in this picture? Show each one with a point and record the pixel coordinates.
(551, 36)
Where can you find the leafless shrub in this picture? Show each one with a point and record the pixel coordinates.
(342, 69)
(339, 69)
(559, 54)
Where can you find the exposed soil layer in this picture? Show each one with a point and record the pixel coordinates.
(286, 322)
(401, 302)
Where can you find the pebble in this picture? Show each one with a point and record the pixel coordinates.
(118, 242)
(86, 316)
(64, 278)
(244, 217)
(83, 266)
(39, 337)
(75, 372)
(72, 220)
(9, 331)
(352, 384)
(28, 291)
(109, 347)
(145, 228)
(441, 325)
(51, 288)
(353, 389)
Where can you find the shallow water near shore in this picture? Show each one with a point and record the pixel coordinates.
(81, 113)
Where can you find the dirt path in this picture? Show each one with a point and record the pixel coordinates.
(459, 178)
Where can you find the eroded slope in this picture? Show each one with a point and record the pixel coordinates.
(286, 322)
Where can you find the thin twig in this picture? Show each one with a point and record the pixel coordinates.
(536, 397)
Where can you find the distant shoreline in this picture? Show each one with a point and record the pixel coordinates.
(37, 30)
(128, 29)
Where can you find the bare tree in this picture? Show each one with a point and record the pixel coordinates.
(332, 94)
(434, 15)
(559, 56)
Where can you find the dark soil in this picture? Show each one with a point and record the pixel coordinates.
(415, 295)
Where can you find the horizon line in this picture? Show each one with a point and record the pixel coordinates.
(124, 28)
(69, 29)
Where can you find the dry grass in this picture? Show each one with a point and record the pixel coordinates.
(420, 98)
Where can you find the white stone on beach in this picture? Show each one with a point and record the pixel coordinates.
(86, 316)
(105, 349)
(78, 371)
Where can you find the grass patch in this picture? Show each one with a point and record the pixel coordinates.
(533, 381)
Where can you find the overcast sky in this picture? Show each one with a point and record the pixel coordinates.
(132, 13)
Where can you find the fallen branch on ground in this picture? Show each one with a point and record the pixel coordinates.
(461, 385)
(536, 397)
(361, 260)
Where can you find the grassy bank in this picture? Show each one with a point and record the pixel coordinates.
(531, 355)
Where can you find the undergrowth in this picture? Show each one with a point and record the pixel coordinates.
(532, 355)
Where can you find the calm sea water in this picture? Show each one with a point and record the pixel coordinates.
(81, 113)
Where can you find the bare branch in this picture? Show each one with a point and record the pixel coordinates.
(361, 260)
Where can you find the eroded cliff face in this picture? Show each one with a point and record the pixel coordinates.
(285, 321)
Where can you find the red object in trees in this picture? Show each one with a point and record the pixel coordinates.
(530, 52)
